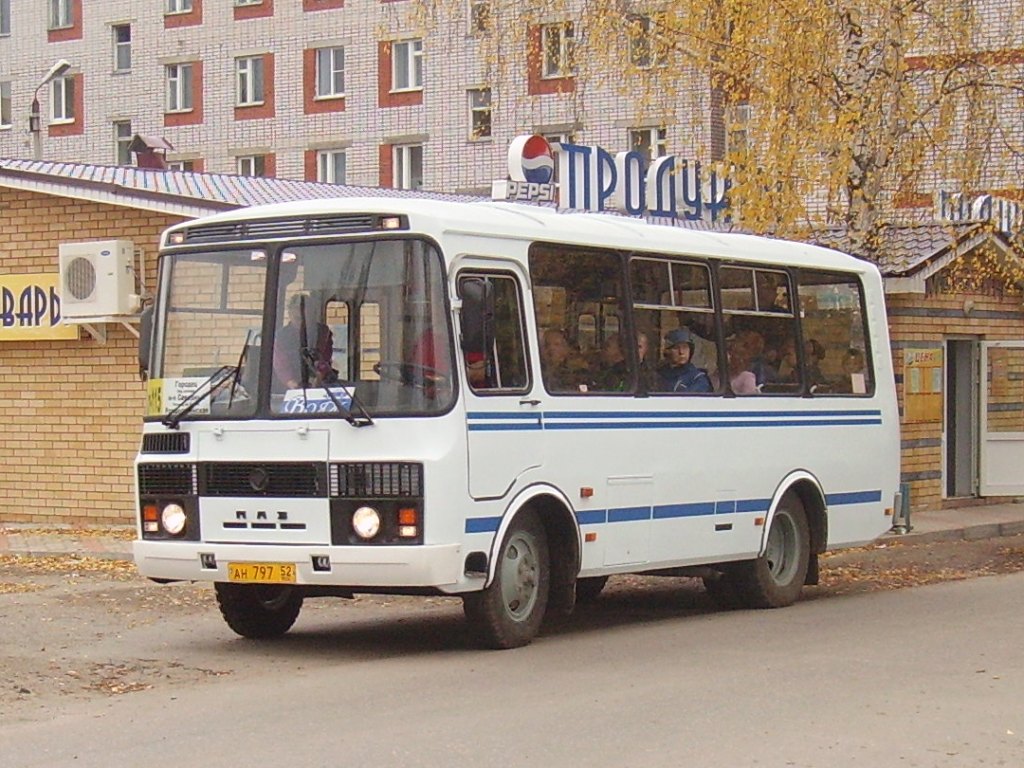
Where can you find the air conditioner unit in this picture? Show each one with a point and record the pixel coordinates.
(97, 279)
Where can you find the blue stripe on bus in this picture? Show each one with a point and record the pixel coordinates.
(489, 415)
(669, 511)
(548, 425)
(627, 514)
(698, 414)
(505, 427)
(856, 497)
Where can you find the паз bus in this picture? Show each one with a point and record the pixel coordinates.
(504, 403)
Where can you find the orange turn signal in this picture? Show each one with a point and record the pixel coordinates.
(407, 516)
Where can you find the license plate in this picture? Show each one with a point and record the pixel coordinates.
(262, 573)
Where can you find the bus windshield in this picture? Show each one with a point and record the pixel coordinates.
(366, 320)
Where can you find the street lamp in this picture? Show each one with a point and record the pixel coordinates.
(34, 118)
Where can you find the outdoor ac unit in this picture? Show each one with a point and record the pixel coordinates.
(97, 279)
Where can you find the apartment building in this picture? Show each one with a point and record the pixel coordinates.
(366, 92)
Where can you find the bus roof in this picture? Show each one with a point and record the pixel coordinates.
(531, 222)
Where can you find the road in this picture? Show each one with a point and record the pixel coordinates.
(930, 676)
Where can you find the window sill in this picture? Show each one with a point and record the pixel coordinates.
(480, 139)
(61, 28)
(120, 71)
(415, 89)
(65, 121)
(178, 13)
(179, 111)
(558, 77)
(6, 126)
(250, 104)
(331, 97)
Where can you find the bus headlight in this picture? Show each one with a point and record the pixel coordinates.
(173, 519)
(366, 522)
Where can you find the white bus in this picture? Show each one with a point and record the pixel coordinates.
(504, 403)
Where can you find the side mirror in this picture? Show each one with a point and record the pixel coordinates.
(477, 315)
(145, 340)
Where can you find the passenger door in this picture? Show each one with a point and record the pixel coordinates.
(503, 423)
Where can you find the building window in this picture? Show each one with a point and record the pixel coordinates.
(330, 166)
(564, 137)
(646, 49)
(480, 113)
(122, 47)
(408, 166)
(407, 60)
(122, 140)
(181, 165)
(5, 104)
(330, 72)
(60, 14)
(179, 87)
(252, 165)
(738, 123)
(479, 16)
(5, 17)
(63, 102)
(248, 2)
(250, 80)
(557, 45)
(179, 6)
(650, 142)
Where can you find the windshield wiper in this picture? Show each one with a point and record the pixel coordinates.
(216, 380)
(309, 366)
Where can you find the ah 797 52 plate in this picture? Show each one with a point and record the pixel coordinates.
(261, 573)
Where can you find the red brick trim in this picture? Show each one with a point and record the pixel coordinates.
(537, 85)
(191, 19)
(74, 32)
(266, 109)
(312, 6)
(311, 105)
(385, 98)
(387, 168)
(309, 165)
(263, 10)
(998, 58)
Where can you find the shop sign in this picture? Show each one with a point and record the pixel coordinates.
(30, 308)
(592, 179)
(1006, 214)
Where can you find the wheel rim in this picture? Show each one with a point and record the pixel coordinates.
(781, 552)
(519, 575)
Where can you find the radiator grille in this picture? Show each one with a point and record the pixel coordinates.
(165, 442)
(167, 479)
(377, 480)
(301, 480)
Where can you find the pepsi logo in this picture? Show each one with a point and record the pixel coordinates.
(530, 159)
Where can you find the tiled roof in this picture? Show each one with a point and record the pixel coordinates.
(904, 248)
(218, 191)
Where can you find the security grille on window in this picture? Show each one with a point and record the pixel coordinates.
(330, 166)
(179, 87)
(252, 165)
(407, 60)
(5, 17)
(250, 80)
(5, 105)
(122, 47)
(63, 102)
(408, 166)
(330, 72)
(651, 142)
(479, 15)
(480, 113)
(179, 6)
(557, 41)
(122, 141)
(60, 14)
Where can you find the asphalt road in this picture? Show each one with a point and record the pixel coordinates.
(931, 676)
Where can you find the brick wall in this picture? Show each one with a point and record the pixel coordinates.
(70, 411)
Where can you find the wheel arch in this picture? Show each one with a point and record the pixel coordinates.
(807, 488)
(563, 533)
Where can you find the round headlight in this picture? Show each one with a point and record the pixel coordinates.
(173, 519)
(366, 522)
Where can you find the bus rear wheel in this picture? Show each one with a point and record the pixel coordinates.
(775, 579)
(509, 612)
(257, 610)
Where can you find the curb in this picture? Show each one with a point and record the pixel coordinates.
(967, 533)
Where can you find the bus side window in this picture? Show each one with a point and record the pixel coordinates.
(494, 351)
(833, 319)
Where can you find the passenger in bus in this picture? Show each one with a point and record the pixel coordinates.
(814, 353)
(678, 373)
(705, 352)
(614, 374)
(789, 366)
(742, 380)
(853, 380)
(563, 369)
(476, 370)
(757, 361)
(646, 376)
(291, 356)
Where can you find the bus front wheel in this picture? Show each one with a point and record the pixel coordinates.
(258, 611)
(774, 580)
(509, 612)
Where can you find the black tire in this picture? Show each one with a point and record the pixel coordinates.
(589, 588)
(258, 610)
(509, 612)
(775, 579)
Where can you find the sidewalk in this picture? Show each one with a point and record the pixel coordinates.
(115, 542)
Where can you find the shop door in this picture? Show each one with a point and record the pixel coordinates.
(962, 417)
(1002, 418)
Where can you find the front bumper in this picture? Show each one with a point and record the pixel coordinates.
(438, 565)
